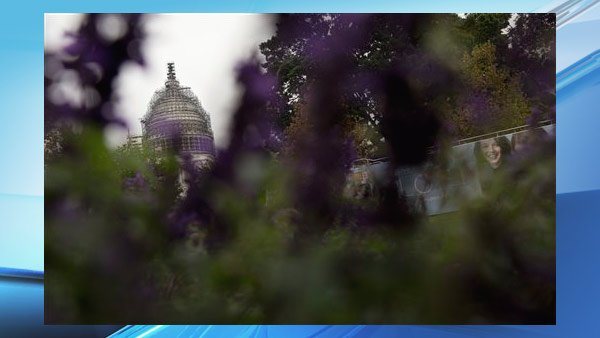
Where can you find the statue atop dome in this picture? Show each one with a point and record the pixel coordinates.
(171, 79)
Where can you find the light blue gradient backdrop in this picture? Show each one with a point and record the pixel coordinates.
(21, 166)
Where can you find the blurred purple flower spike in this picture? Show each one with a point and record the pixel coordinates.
(253, 123)
(409, 127)
(478, 104)
(136, 183)
(97, 64)
(534, 118)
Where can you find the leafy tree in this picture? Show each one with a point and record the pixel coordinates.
(486, 27)
(386, 42)
(516, 74)
(531, 52)
(493, 99)
(52, 144)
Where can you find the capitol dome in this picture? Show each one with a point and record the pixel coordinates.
(176, 120)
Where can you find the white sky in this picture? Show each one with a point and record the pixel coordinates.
(206, 49)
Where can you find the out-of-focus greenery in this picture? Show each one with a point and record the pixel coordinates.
(110, 258)
(267, 234)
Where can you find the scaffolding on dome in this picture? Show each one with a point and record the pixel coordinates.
(172, 93)
(176, 116)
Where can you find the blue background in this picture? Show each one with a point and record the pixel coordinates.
(578, 167)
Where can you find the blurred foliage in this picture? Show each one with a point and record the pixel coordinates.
(266, 234)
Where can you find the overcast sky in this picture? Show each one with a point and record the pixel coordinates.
(206, 49)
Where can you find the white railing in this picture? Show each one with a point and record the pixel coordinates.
(501, 132)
